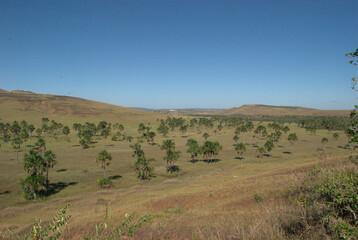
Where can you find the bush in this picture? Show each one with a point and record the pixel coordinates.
(330, 201)
(104, 182)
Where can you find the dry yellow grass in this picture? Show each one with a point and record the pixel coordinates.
(18, 105)
(203, 200)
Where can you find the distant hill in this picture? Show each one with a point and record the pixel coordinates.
(252, 109)
(25, 105)
(183, 110)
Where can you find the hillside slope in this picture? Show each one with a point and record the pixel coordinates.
(252, 109)
(19, 105)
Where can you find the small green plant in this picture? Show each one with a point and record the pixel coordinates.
(104, 182)
(84, 170)
(175, 210)
(258, 198)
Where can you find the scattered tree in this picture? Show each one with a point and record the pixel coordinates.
(292, 138)
(269, 146)
(260, 152)
(16, 143)
(171, 156)
(104, 159)
(335, 136)
(49, 162)
(193, 148)
(34, 183)
(240, 148)
(206, 135)
(210, 150)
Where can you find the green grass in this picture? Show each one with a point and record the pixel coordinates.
(199, 192)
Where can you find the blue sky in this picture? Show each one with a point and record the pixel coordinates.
(178, 54)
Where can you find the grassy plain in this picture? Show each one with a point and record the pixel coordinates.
(204, 200)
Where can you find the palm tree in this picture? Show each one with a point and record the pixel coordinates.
(129, 138)
(50, 162)
(260, 130)
(120, 127)
(40, 145)
(137, 150)
(34, 183)
(285, 129)
(102, 125)
(183, 129)
(15, 128)
(16, 143)
(324, 141)
(66, 130)
(171, 155)
(45, 120)
(141, 128)
(260, 151)
(210, 149)
(31, 129)
(104, 133)
(104, 159)
(206, 135)
(143, 168)
(150, 137)
(269, 146)
(39, 132)
(292, 138)
(240, 148)
(193, 148)
(335, 136)
(6, 139)
(163, 128)
(24, 136)
(142, 164)
(236, 138)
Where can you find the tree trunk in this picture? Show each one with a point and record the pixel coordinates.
(104, 171)
(292, 148)
(47, 179)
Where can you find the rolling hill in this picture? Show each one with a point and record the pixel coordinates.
(252, 109)
(20, 105)
(183, 110)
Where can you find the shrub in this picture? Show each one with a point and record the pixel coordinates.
(330, 201)
(104, 182)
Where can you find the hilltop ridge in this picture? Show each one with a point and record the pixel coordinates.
(260, 109)
(19, 104)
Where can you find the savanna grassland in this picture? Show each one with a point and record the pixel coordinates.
(228, 196)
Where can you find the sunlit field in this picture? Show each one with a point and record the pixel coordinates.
(204, 198)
